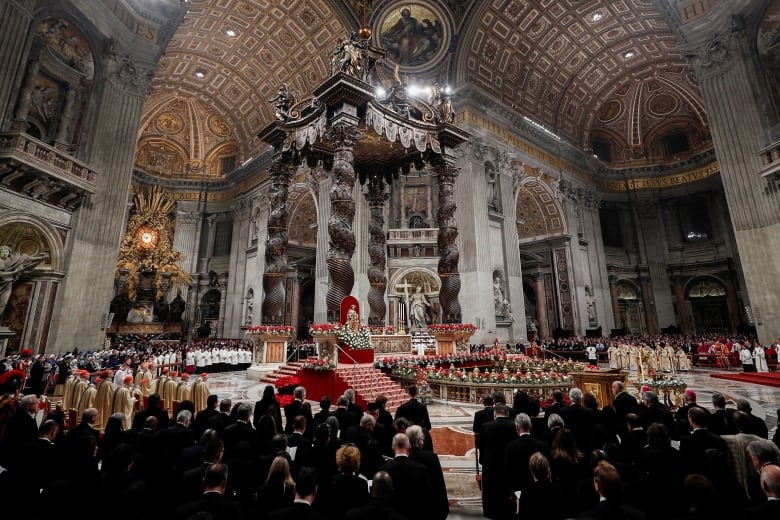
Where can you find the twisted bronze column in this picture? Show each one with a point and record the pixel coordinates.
(280, 173)
(376, 197)
(342, 235)
(448, 249)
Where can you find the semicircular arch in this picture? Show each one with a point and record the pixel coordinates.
(538, 212)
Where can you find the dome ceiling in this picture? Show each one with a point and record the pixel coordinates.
(556, 61)
(582, 68)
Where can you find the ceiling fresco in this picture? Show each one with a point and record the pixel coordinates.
(582, 68)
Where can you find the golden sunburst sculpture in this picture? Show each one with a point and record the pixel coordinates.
(148, 243)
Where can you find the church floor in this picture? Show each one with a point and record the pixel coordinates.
(452, 422)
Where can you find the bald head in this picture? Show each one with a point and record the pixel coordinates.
(401, 444)
(381, 484)
(770, 480)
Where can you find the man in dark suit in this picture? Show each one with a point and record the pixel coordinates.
(362, 436)
(22, 428)
(720, 422)
(556, 405)
(293, 410)
(682, 428)
(177, 438)
(191, 481)
(379, 506)
(579, 419)
(758, 425)
(298, 444)
(518, 452)
(213, 501)
(202, 417)
(412, 488)
(241, 430)
(305, 491)
(221, 420)
(694, 447)
(439, 503)
(153, 408)
(493, 438)
(353, 407)
(414, 411)
(655, 412)
(634, 440)
(608, 484)
(345, 418)
(623, 403)
(482, 416)
(320, 416)
(770, 484)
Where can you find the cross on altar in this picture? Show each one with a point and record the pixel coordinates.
(402, 314)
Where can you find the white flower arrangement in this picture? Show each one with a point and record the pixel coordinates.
(356, 340)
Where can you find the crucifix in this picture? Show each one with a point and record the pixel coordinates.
(403, 304)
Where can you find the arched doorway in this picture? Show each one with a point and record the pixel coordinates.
(630, 310)
(706, 297)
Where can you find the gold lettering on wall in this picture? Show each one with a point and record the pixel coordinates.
(669, 181)
(141, 29)
(691, 9)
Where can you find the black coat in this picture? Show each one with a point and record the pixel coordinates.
(516, 456)
(625, 404)
(493, 438)
(376, 509)
(611, 510)
(694, 447)
(411, 488)
(218, 506)
(297, 511)
(440, 504)
(415, 412)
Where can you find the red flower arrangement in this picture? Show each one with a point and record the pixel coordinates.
(323, 329)
(452, 328)
(272, 330)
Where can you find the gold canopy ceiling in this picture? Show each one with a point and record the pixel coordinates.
(585, 69)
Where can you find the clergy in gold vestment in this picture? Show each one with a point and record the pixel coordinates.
(78, 388)
(87, 399)
(124, 401)
(67, 392)
(144, 379)
(168, 394)
(183, 391)
(200, 392)
(105, 397)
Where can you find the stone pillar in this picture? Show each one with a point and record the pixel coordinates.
(682, 307)
(99, 224)
(223, 278)
(324, 185)
(235, 313)
(448, 248)
(63, 137)
(615, 302)
(541, 306)
(735, 97)
(275, 272)
(15, 20)
(732, 301)
(648, 304)
(342, 236)
(377, 246)
(185, 241)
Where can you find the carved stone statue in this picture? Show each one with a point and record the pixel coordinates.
(498, 296)
(176, 308)
(418, 313)
(282, 103)
(353, 318)
(12, 266)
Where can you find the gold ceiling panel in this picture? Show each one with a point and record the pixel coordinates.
(557, 61)
(231, 55)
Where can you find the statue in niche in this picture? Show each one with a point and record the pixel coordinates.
(248, 315)
(418, 305)
(12, 267)
(176, 308)
(498, 296)
(506, 311)
(120, 306)
(161, 310)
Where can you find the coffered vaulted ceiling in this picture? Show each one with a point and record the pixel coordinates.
(562, 63)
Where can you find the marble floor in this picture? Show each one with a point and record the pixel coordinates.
(452, 424)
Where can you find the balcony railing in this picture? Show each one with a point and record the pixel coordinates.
(417, 235)
(40, 171)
